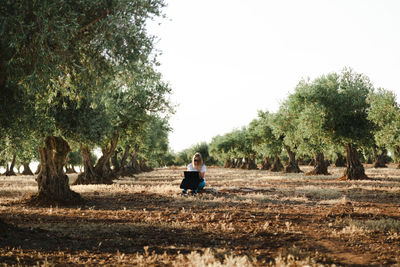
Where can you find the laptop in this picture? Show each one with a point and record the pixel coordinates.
(191, 180)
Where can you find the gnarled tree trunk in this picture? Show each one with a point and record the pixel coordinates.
(10, 171)
(133, 164)
(354, 169)
(125, 156)
(380, 159)
(27, 170)
(293, 166)
(266, 165)
(320, 167)
(277, 166)
(251, 163)
(228, 163)
(53, 183)
(89, 176)
(100, 173)
(340, 161)
(123, 169)
(102, 168)
(239, 163)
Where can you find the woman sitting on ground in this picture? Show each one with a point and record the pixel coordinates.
(197, 165)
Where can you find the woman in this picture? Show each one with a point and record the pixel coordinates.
(197, 165)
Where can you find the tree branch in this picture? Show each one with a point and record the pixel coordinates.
(85, 28)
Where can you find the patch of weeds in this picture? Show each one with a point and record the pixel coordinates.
(314, 193)
(382, 225)
(295, 256)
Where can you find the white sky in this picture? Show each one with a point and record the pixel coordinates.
(227, 59)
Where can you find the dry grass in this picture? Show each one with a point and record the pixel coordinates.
(257, 218)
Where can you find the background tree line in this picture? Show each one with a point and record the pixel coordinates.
(338, 118)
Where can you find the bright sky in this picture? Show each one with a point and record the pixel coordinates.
(227, 59)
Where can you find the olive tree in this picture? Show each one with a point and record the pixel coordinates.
(265, 141)
(221, 148)
(284, 125)
(310, 132)
(71, 50)
(384, 112)
(342, 98)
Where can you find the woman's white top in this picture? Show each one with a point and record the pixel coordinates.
(192, 169)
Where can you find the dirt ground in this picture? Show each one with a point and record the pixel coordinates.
(250, 218)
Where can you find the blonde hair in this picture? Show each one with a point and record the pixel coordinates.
(198, 156)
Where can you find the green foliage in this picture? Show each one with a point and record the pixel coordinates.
(84, 70)
(384, 112)
(204, 149)
(266, 143)
(154, 142)
(183, 158)
(284, 125)
(320, 116)
(306, 132)
(61, 57)
(341, 100)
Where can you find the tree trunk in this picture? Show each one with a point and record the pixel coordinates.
(89, 176)
(53, 183)
(228, 163)
(354, 169)
(134, 163)
(380, 159)
(10, 171)
(292, 166)
(132, 167)
(398, 153)
(251, 163)
(266, 165)
(277, 166)
(27, 170)
(239, 163)
(320, 166)
(102, 168)
(108, 169)
(115, 163)
(235, 162)
(245, 164)
(122, 167)
(340, 161)
(69, 169)
(38, 169)
(125, 156)
(144, 167)
(101, 173)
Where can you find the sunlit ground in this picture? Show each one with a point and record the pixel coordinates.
(250, 218)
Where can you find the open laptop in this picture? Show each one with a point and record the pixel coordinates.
(191, 180)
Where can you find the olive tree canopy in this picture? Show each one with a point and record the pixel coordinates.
(57, 52)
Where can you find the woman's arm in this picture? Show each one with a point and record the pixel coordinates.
(202, 171)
